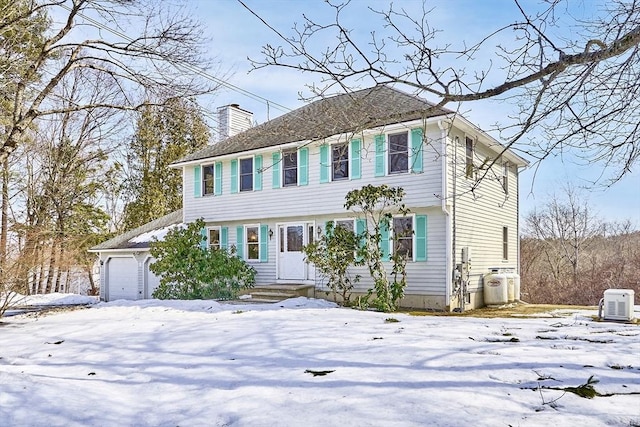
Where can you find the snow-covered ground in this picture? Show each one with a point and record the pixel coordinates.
(200, 363)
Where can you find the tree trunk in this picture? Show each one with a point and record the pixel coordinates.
(93, 290)
(52, 266)
(4, 221)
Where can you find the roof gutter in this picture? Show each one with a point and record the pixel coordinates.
(128, 250)
(221, 157)
(305, 143)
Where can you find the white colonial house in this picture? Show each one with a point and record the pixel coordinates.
(271, 189)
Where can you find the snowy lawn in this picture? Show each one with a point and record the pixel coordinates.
(307, 363)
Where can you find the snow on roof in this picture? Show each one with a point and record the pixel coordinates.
(139, 238)
(152, 235)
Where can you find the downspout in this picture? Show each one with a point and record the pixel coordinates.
(518, 220)
(445, 195)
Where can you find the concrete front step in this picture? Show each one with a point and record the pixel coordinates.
(279, 292)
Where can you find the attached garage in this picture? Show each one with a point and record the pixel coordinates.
(125, 260)
(121, 273)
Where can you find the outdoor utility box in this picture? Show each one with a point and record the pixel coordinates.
(618, 304)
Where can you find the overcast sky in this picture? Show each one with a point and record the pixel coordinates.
(237, 35)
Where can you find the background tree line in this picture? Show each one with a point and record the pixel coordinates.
(88, 126)
(571, 256)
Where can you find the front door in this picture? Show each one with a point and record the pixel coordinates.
(291, 239)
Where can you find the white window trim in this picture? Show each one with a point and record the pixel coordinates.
(413, 235)
(351, 220)
(505, 177)
(388, 152)
(505, 242)
(216, 227)
(349, 163)
(253, 167)
(202, 186)
(474, 143)
(246, 242)
(284, 152)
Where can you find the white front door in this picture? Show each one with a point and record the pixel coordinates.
(291, 239)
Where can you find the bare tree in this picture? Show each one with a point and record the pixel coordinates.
(136, 47)
(565, 228)
(574, 83)
(571, 256)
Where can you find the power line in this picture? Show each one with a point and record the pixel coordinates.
(189, 67)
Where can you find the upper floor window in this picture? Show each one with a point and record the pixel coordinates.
(469, 170)
(214, 237)
(246, 174)
(253, 243)
(208, 173)
(399, 152)
(289, 168)
(403, 236)
(505, 177)
(340, 161)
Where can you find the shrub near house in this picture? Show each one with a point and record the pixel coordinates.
(188, 270)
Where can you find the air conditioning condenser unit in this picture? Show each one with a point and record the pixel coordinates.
(618, 304)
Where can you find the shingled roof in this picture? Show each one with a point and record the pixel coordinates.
(132, 239)
(368, 108)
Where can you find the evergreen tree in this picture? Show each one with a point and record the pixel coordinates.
(163, 135)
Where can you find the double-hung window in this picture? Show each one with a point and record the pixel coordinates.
(208, 179)
(505, 243)
(253, 243)
(399, 152)
(290, 168)
(505, 177)
(347, 224)
(403, 236)
(214, 237)
(246, 174)
(469, 169)
(340, 161)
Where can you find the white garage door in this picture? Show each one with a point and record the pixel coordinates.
(151, 280)
(122, 278)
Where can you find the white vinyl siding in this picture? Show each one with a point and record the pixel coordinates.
(422, 189)
(482, 214)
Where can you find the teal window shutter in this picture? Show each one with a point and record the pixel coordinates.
(234, 176)
(384, 242)
(264, 243)
(380, 155)
(257, 173)
(361, 228)
(356, 160)
(224, 238)
(197, 181)
(240, 241)
(416, 150)
(217, 189)
(326, 224)
(203, 238)
(275, 157)
(303, 166)
(325, 163)
(421, 237)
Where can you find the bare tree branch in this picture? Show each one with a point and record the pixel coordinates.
(157, 53)
(574, 88)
